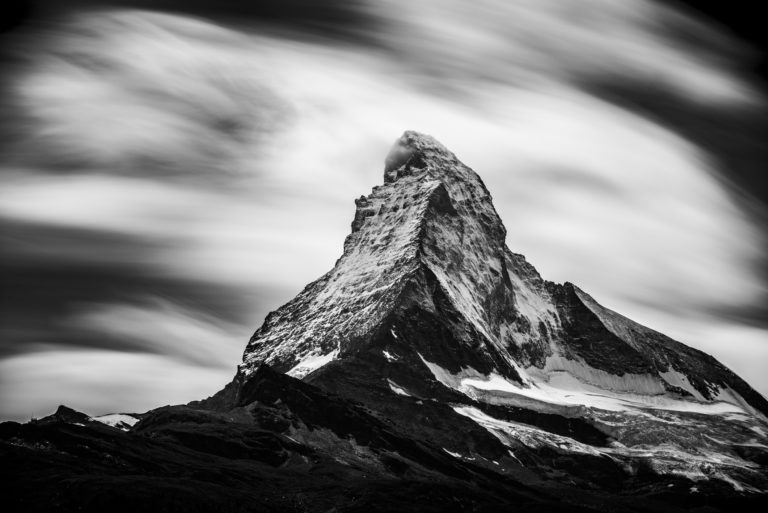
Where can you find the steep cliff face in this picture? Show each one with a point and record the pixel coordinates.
(433, 216)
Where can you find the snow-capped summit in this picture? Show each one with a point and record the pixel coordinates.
(428, 244)
(429, 204)
(428, 304)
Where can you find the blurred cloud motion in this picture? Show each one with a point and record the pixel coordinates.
(171, 175)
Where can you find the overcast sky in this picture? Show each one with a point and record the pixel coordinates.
(170, 177)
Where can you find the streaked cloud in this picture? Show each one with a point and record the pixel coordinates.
(95, 381)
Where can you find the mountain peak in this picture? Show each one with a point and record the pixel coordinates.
(430, 320)
(426, 275)
(433, 214)
(411, 154)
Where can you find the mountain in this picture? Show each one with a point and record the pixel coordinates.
(428, 303)
(426, 276)
(432, 369)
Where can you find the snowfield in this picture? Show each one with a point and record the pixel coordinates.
(119, 420)
(556, 385)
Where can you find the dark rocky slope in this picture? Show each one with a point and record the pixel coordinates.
(291, 447)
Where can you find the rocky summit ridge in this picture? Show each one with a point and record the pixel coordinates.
(432, 369)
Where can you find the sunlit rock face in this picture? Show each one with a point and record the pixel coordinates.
(432, 221)
(428, 304)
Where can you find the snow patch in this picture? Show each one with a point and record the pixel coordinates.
(447, 378)
(454, 454)
(512, 433)
(389, 356)
(569, 383)
(727, 394)
(397, 388)
(312, 363)
(119, 420)
(680, 380)
(565, 389)
(645, 384)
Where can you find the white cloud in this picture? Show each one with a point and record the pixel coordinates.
(99, 382)
(167, 329)
(525, 42)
